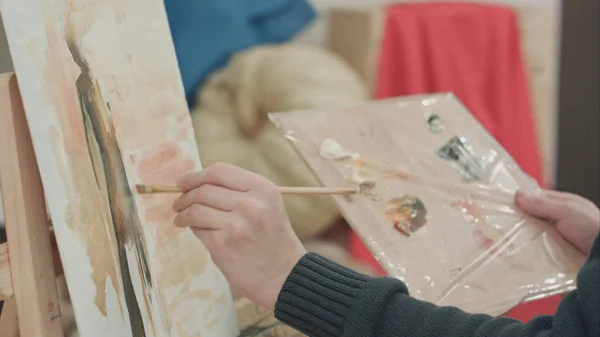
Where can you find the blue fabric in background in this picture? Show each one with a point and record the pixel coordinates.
(207, 32)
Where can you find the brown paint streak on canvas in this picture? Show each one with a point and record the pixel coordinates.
(85, 218)
(84, 211)
(111, 180)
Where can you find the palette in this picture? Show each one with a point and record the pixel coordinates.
(437, 207)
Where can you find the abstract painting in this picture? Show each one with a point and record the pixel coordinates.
(436, 204)
(106, 110)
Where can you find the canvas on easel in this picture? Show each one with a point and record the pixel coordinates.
(106, 110)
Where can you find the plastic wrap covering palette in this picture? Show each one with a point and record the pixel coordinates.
(436, 206)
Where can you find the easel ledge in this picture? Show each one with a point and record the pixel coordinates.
(29, 261)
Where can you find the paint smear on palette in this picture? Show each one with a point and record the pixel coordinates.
(362, 171)
(407, 213)
(84, 212)
(484, 233)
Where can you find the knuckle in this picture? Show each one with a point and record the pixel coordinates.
(240, 232)
(178, 222)
(198, 194)
(571, 206)
(190, 216)
(241, 235)
(197, 232)
(182, 219)
(217, 168)
(219, 165)
(217, 244)
(268, 189)
(251, 208)
(184, 181)
(187, 181)
(211, 171)
(195, 212)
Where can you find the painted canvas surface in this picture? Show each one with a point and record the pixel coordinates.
(436, 204)
(106, 110)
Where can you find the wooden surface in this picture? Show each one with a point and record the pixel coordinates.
(355, 34)
(6, 287)
(475, 251)
(30, 254)
(9, 323)
(106, 109)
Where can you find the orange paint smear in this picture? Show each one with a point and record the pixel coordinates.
(140, 134)
(63, 92)
(161, 166)
(164, 164)
(187, 294)
(178, 260)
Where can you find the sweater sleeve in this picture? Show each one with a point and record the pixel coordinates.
(323, 299)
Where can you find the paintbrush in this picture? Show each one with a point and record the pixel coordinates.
(155, 189)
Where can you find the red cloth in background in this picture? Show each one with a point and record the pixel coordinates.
(472, 50)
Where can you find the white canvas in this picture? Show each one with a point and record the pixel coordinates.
(106, 110)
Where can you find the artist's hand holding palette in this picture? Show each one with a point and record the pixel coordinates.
(436, 207)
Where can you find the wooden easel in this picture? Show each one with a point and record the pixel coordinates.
(27, 273)
(29, 261)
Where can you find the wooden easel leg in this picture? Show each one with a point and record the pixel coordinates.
(9, 326)
(29, 246)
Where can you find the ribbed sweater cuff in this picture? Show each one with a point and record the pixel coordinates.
(317, 296)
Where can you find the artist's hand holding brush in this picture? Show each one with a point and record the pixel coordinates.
(241, 218)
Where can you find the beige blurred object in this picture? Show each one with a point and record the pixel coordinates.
(540, 39)
(355, 34)
(231, 122)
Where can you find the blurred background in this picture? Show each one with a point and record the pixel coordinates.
(527, 69)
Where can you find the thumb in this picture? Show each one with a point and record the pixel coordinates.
(540, 206)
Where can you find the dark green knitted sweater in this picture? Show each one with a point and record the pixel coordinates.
(323, 299)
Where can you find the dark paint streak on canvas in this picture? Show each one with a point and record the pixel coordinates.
(110, 171)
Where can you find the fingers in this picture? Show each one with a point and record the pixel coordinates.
(207, 236)
(223, 175)
(561, 195)
(541, 206)
(208, 195)
(203, 217)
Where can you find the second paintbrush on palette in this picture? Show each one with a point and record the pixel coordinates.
(155, 189)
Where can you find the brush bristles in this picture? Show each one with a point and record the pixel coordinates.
(143, 189)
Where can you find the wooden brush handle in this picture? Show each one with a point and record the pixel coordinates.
(317, 190)
(154, 189)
